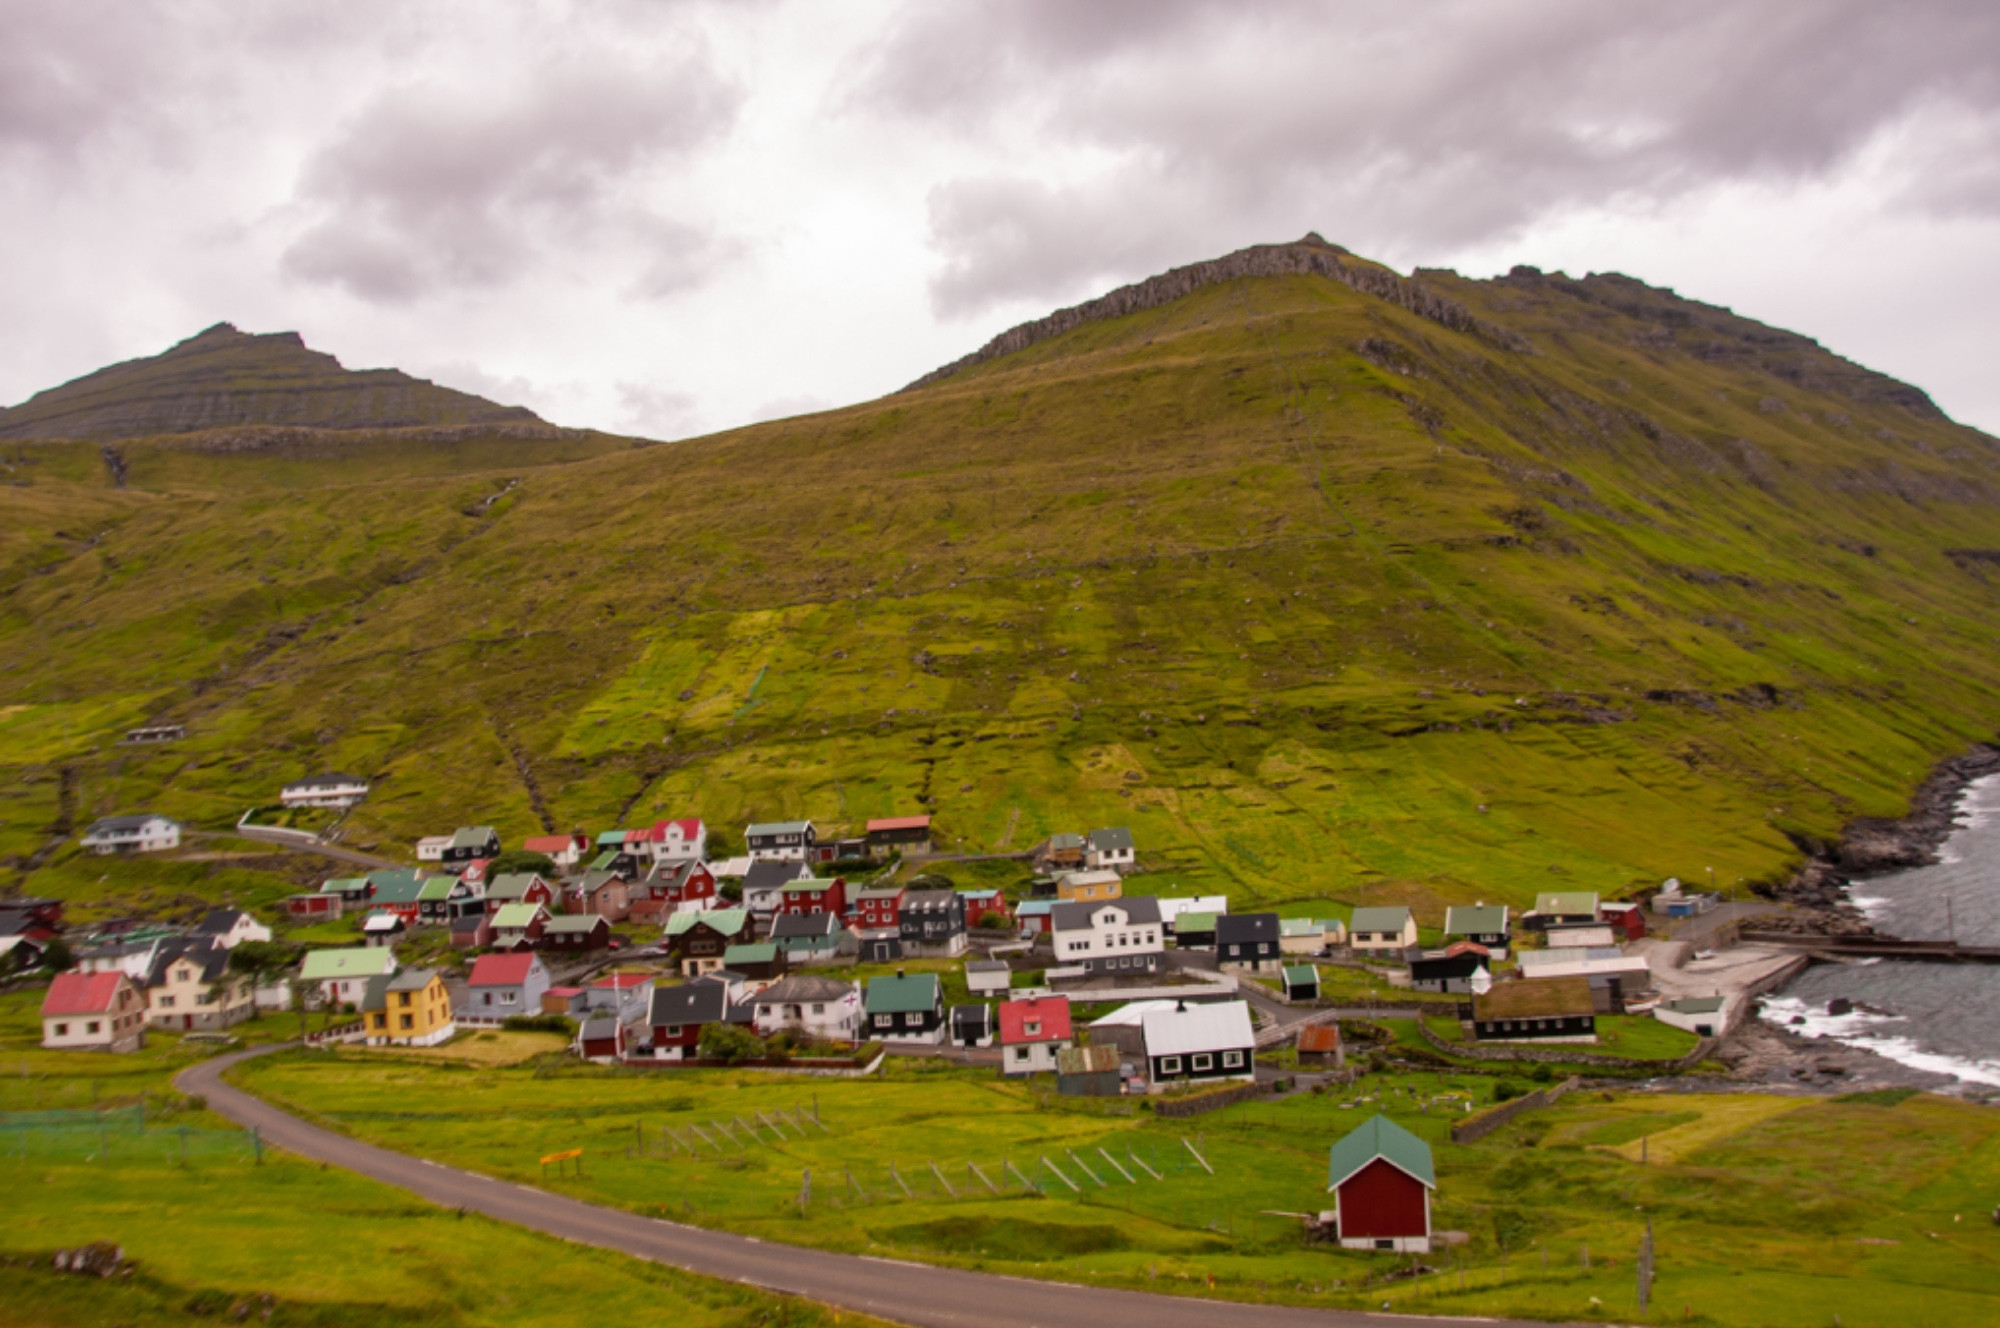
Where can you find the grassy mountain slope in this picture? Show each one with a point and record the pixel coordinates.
(223, 378)
(1327, 594)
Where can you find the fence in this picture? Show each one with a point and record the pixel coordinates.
(1486, 1122)
(117, 1134)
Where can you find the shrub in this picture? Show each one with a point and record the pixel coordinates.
(729, 1044)
(1506, 1091)
(1543, 1073)
(538, 1023)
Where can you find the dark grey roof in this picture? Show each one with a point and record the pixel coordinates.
(694, 1003)
(112, 825)
(972, 1018)
(213, 959)
(1115, 839)
(597, 1026)
(1076, 914)
(1447, 966)
(1246, 928)
(767, 874)
(218, 920)
(803, 988)
(928, 901)
(325, 781)
(804, 924)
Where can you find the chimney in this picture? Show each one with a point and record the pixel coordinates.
(899, 972)
(1180, 1007)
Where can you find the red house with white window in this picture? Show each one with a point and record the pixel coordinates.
(1383, 1177)
(877, 908)
(1032, 1032)
(814, 895)
(982, 903)
(674, 887)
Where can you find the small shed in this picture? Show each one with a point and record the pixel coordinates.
(571, 1001)
(1700, 1015)
(987, 977)
(1301, 982)
(1088, 1072)
(1320, 1045)
(972, 1025)
(1382, 1176)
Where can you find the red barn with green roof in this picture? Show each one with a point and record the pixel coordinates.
(1383, 1178)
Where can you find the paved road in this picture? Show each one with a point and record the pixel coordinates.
(298, 846)
(905, 1292)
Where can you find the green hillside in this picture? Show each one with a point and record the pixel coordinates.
(1338, 587)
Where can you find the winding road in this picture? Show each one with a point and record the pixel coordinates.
(910, 1293)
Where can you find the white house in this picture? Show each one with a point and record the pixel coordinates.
(1116, 936)
(431, 848)
(817, 1007)
(1199, 1042)
(1382, 930)
(191, 989)
(1704, 1016)
(684, 840)
(1110, 850)
(230, 927)
(782, 841)
(146, 833)
(93, 1012)
(1171, 909)
(324, 791)
(764, 882)
(342, 975)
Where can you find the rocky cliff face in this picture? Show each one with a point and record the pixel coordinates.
(226, 379)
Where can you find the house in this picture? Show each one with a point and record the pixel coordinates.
(1089, 885)
(93, 1012)
(933, 923)
(1031, 1032)
(471, 843)
(472, 930)
(1535, 1009)
(682, 840)
(568, 1001)
(839, 850)
(1088, 1072)
(987, 977)
(399, 891)
(431, 848)
(1674, 902)
(621, 859)
(1462, 973)
(905, 1008)
(1553, 907)
(898, 834)
(878, 946)
(1196, 931)
(519, 888)
(807, 938)
(764, 881)
(984, 908)
(1060, 853)
(1199, 1042)
(407, 1009)
(761, 962)
(1319, 1045)
(781, 841)
(189, 988)
(324, 791)
(156, 733)
(678, 1014)
(601, 893)
(683, 886)
(443, 900)
(1124, 1027)
(1700, 1015)
(350, 891)
(1482, 924)
(1301, 982)
(1309, 936)
(1034, 916)
(382, 927)
(1247, 943)
(601, 1038)
(503, 985)
(1628, 920)
(877, 909)
(699, 940)
(813, 1007)
(1614, 976)
(623, 994)
(342, 975)
(1580, 936)
(575, 933)
(1119, 936)
(814, 894)
(314, 906)
(1111, 850)
(564, 852)
(146, 833)
(519, 926)
(1382, 930)
(1381, 1178)
(1214, 906)
(230, 927)
(970, 1025)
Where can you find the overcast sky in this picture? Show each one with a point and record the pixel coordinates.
(669, 218)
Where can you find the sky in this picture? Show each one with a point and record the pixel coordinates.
(669, 217)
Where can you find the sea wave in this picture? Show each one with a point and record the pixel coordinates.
(1868, 1031)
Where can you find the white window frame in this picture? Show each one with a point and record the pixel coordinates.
(1170, 1065)
(1232, 1060)
(1202, 1060)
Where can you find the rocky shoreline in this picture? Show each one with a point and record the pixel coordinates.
(1819, 890)
(1767, 1055)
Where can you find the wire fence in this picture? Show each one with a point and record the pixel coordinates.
(118, 1134)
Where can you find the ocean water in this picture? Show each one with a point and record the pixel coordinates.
(1944, 1018)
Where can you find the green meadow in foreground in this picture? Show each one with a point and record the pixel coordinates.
(1323, 598)
(1766, 1211)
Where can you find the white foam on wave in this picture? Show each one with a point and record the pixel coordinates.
(1867, 1031)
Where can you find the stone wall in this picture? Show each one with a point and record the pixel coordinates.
(1207, 1102)
(1486, 1122)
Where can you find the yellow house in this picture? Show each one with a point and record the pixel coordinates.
(190, 988)
(407, 1009)
(1090, 887)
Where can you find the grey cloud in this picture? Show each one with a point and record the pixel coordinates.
(445, 187)
(1397, 128)
(649, 410)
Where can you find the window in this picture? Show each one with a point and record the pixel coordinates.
(1385, 1244)
(1232, 1060)
(402, 998)
(672, 1030)
(1033, 1028)
(885, 1021)
(91, 1027)
(819, 1008)
(1170, 1065)
(62, 1030)
(1204, 1061)
(406, 1022)
(166, 1002)
(1020, 1053)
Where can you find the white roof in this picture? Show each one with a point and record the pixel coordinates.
(1198, 1028)
(734, 868)
(1131, 1016)
(1173, 908)
(1566, 960)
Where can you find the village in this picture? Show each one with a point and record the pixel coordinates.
(822, 954)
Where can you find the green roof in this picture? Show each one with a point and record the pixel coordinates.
(807, 886)
(1299, 974)
(611, 839)
(1477, 920)
(357, 962)
(1194, 922)
(1301, 927)
(728, 921)
(1379, 919)
(917, 991)
(1065, 841)
(778, 828)
(1566, 902)
(344, 885)
(510, 886)
(437, 888)
(1383, 1138)
(404, 885)
(574, 922)
(515, 915)
(603, 861)
(473, 836)
(749, 954)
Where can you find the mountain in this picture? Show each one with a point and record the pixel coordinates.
(1332, 584)
(223, 378)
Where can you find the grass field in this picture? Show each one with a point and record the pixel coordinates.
(1766, 1211)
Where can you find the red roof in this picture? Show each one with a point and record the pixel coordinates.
(549, 844)
(82, 993)
(1319, 1039)
(622, 981)
(1051, 1011)
(500, 970)
(899, 823)
(566, 992)
(1467, 947)
(690, 827)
